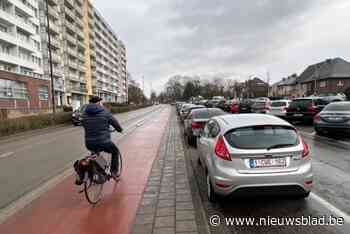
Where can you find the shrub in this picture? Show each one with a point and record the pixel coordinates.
(12, 126)
(67, 108)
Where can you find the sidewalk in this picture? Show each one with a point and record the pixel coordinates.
(63, 211)
(167, 206)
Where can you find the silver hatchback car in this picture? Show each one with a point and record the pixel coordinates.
(253, 154)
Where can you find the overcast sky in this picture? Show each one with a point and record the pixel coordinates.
(238, 38)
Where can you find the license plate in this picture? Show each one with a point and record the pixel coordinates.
(298, 115)
(268, 162)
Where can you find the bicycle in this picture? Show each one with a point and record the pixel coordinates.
(97, 173)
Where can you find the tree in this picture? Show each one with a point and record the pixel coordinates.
(153, 96)
(189, 91)
(135, 95)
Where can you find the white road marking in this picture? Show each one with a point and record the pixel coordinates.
(330, 207)
(5, 155)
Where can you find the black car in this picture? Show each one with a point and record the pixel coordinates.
(77, 115)
(305, 109)
(334, 118)
(245, 106)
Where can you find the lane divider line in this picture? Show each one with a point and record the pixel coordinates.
(330, 207)
(5, 155)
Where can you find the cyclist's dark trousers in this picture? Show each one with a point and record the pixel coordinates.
(108, 147)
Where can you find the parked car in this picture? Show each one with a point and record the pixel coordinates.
(227, 105)
(279, 108)
(194, 123)
(234, 109)
(77, 115)
(333, 97)
(245, 106)
(305, 109)
(221, 104)
(187, 110)
(335, 117)
(215, 101)
(253, 154)
(263, 107)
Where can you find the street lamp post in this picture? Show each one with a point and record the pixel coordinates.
(50, 58)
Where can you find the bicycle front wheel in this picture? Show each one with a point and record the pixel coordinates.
(93, 191)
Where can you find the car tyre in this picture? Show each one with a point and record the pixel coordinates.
(212, 197)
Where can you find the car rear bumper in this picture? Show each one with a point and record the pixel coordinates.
(304, 117)
(237, 182)
(332, 127)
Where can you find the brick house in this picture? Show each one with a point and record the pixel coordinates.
(256, 88)
(332, 75)
(23, 92)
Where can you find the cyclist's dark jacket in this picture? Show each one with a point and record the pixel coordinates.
(96, 121)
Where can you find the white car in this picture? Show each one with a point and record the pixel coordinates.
(279, 108)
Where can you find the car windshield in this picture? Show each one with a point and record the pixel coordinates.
(278, 104)
(303, 103)
(345, 106)
(259, 104)
(262, 137)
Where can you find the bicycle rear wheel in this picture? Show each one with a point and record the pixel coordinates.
(120, 165)
(93, 191)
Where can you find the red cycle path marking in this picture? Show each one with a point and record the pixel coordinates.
(63, 211)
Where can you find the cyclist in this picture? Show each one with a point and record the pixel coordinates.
(96, 122)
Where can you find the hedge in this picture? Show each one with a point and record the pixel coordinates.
(17, 125)
(12, 126)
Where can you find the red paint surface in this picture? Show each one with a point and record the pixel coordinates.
(63, 211)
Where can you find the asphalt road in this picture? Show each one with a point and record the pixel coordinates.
(331, 194)
(28, 161)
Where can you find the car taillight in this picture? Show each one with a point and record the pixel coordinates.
(196, 125)
(306, 150)
(311, 108)
(221, 150)
(317, 118)
(234, 108)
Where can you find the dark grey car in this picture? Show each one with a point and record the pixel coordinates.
(335, 117)
(194, 123)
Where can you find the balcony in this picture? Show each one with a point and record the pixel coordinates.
(70, 26)
(25, 25)
(71, 51)
(81, 44)
(53, 12)
(54, 28)
(70, 38)
(53, 2)
(72, 65)
(69, 13)
(79, 22)
(70, 3)
(81, 67)
(14, 59)
(77, 89)
(80, 34)
(57, 71)
(19, 4)
(55, 42)
(55, 57)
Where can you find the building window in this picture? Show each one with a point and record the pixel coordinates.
(323, 84)
(43, 93)
(13, 89)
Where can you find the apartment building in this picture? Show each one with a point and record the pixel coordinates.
(109, 69)
(86, 54)
(22, 84)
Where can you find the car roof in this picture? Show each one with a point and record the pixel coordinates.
(230, 121)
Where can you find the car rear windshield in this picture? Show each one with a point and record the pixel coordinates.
(303, 103)
(206, 114)
(337, 107)
(262, 137)
(259, 104)
(278, 104)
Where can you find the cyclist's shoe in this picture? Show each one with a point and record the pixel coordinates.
(115, 175)
(78, 180)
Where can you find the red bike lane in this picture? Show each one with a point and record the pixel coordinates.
(63, 211)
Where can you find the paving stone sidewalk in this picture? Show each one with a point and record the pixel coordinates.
(167, 205)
